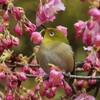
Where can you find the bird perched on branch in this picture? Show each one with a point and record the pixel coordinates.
(55, 49)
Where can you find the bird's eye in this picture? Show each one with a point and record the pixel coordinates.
(52, 34)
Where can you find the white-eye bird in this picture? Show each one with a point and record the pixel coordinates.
(55, 49)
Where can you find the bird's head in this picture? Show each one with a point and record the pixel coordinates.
(53, 35)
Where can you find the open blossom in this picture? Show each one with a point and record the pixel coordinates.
(55, 77)
(47, 12)
(62, 29)
(36, 37)
(95, 12)
(18, 29)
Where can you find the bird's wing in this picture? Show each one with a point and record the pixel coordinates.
(59, 54)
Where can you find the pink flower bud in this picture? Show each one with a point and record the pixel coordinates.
(21, 76)
(14, 78)
(1, 28)
(80, 82)
(53, 89)
(68, 89)
(97, 40)
(87, 66)
(26, 68)
(9, 96)
(95, 12)
(29, 27)
(87, 37)
(79, 34)
(10, 85)
(3, 1)
(17, 13)
(92, 81)
(9, 41)
(36, 37)
(88, 59)
(2, 75)
(62, 29)
(18, 29)
(37, 87)
(80, 25)
(5, 16)
(32, 95)
(15, 41)
(90, 24)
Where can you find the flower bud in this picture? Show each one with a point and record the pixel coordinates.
(18, 29)
(36, 37)
(1, 28)
(9, 96)
(15, 41)
(21, 76)
(5, 16)
(95, 12)
(87, 66)
(2, 75)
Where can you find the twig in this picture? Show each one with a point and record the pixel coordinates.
(81, 77)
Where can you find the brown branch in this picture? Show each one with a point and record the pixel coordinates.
(81, 77)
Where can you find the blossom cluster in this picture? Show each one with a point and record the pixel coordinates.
(89, 31)
(47, 11)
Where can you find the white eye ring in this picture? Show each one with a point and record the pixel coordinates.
(52, 34)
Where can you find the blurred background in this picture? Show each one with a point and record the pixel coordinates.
(75, 10)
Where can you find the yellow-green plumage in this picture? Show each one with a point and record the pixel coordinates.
(56, 50)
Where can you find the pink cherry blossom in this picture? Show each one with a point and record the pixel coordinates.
(87, 37)
(80, 25)
(56, 77)
(47, 11)
(36, 37)
(62, 29)
(95, 12)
